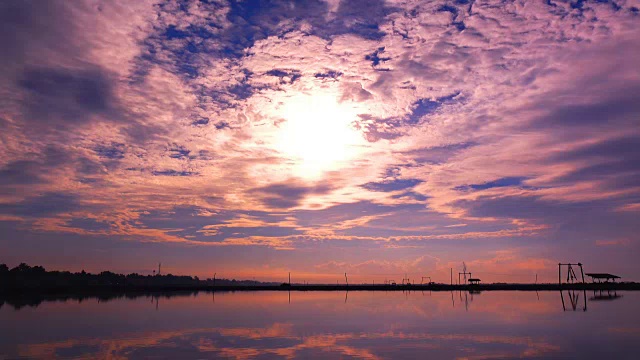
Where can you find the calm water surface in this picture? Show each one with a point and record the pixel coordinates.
(314, 325)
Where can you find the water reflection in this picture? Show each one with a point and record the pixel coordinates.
(279, 341)
(573, 297)
(468, 297)
(604, 295)
(20, 301)
(305, 325)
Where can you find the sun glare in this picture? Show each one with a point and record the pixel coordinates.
(317, 134)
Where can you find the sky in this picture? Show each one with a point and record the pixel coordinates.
(378, 138)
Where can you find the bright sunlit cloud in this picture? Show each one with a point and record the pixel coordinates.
(317, 134)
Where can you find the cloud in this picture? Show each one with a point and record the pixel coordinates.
(287, 195)
(67, 97)
(44, 205)
(513, 260)
(518, 120)
(330, 236)
(614, 242)
(629, 207)
(28, 26)
(382, 267)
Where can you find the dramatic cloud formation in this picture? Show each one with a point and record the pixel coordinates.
(379, 137)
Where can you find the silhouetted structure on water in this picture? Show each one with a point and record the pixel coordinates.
(602, 277)
(572, 278)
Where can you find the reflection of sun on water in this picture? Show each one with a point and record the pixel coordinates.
(317, 134)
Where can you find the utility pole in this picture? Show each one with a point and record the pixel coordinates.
(451, 276)
(159, 267)
(289, 278)
(346, 279)
(214, 279)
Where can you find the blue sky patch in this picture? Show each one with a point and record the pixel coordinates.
(392, 185)
(502, 182)
(173, 173)
(114, 151)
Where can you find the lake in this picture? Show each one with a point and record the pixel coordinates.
(317, 325)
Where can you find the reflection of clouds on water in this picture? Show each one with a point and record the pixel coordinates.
(625, 330)
(370, 325)
(281, 340)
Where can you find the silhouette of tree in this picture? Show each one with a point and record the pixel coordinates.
(36, 278)
(22, 268)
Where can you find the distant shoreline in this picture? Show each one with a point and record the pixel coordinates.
(25, 279)
(318, 287)
(33, 297)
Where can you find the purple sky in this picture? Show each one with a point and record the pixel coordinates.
(253, 138)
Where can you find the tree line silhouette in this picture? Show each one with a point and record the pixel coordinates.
(25, 277)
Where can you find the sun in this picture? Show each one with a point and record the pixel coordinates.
(317, 134)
